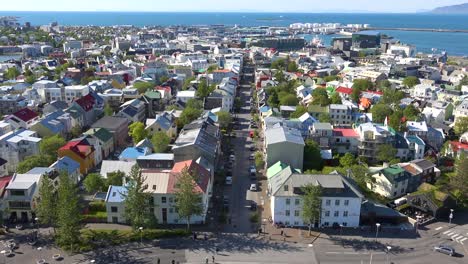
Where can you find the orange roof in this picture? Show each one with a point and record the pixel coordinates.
(365, 102)
(202, 181)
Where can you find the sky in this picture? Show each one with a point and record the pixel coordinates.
(306, 6)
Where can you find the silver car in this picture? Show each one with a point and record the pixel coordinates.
(448, 250)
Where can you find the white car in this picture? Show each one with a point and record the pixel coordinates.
(253, 187)
(232, 157)
(228, 180)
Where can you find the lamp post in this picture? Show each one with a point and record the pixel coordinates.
(450, 216)
(36, 220)
(418, 219)
(388, 252)
(141, 235)
(377, 230)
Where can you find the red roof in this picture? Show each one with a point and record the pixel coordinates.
(4, 181)
(202, 182)
(80, 147)
(167, 89)
(374, 92)
(344, 90)
(26, 114)
(456, 146)
(86, 102)
(345, 132)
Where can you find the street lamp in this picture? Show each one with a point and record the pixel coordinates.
(388, 251)
(377, 230)
(418, 219)
(141, 234)
(36, 220)
(450, 216)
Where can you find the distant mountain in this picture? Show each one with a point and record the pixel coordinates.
(454, 9)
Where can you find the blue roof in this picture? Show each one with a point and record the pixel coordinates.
(130, 111)
(133, 153)
(67, 164)
(264, 109)
(416, 139)
(115, 194)
(368, 33)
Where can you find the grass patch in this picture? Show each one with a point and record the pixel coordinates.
(254, 217)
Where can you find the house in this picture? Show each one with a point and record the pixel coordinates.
(340, 201)
(5, 127)
(201, 138)
(134, 110)
(90, 108)
(371, 136)
(456, 148)
(163, 122)
(73, 93)
(316, 110)
(133, 153)
(306, 123)
(118, 126)
(77, 115)
(185, 96)
(4, 181)
(115, 206)
(110, 166)
(461, 110)
(16, 145)
(417, 129)
(153, 102)
(11, 103)
(345, 140)
(161, 161)
(71, 167)
(340, 115)
(56, 123)
(81, 151)
(24, 118)
(409, 147)
(430, 200)
(390, 182)
(3, 167)
(322, 133)
(105, 139)
(285, 145)
(20, 195)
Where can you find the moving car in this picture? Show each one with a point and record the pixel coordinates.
(448, 250)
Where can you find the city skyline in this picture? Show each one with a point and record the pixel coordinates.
(296, 6)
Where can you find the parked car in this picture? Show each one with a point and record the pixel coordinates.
(448, 250)
(251, 157)
(228, 180)
(253, 206)
(253, 187)
(232, 157)
(252, 148)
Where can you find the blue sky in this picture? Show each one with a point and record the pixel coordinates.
(229, 6)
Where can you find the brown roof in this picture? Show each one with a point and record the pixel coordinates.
(409, 168)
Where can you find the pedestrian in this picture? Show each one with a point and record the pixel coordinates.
(159, 261)
(206, 237)
(206, 260)
(282, 232)
(216, 249)
(173, 261)
(212, 257)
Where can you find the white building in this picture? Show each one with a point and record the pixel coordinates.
(75, 92)
(341, 202)
(185, 96)
(461, 110)
(15, 146)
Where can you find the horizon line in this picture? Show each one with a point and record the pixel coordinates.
(236, 11)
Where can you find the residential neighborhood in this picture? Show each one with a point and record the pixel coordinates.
(173, 132)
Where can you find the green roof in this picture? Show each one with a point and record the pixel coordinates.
(393, 170)
(153, 95)
(101, 133)
(277, 168)
(317, 109)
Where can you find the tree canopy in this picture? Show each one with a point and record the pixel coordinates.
(320, 97)
(137, 131)
(224, 119)
(411, 81)
(380, 112)
(94, 182)
(288, 99)
(143, 87)
(311, 203)
(461, 125)
(160, 142)
(347, 160)
(204, 90)
(386, 152)
(188, 200)
(300, 110)
(49, 146)
(68, 212)
(312, 157)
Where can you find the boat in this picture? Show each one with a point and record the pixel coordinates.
(317, 42)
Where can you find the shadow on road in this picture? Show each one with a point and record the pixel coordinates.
(368, 245)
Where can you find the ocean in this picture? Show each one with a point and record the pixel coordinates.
(453, 43)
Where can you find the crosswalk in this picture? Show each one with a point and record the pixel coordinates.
(456, 236)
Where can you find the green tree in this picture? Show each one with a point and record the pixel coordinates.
(115, 178)
(11, 73)
(194, 103)
(331, 78)
(336, 98)
(311, 204)
(163, 79)
(360, 173)
(380, 112)
(30, 79)
(386, 152)
(460, 178)
(188, 200)
(137, 201)
(292, 66)
(31, 162)
(68, 212)
(392, 96)
(461, 125)
(259, 160)
(363, 84)
(49, 146)
(279, 64)
(273, 100)
(395, 122)
(188, 83)
(188, 115)
(212, 68)
(108, 111)
(137, 131)
(300, 110)
(76, 131)
(204, 90)
(355, 95)
(143, 87)
(46, 209)
(320, 97)
(347, 160)
(224, 119)
(289, 99)
(411, 112)
(411, 81)
(160, 142)
(280, 77)
(324, 118)
(312, 157)
(385, 84)
(94, 182)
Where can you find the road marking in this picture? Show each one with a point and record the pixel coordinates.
(456, 235)
(450, 233)
(351, 253)
(439, 228)
(461, 241)
(446, 232)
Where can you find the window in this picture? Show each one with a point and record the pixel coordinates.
(337, 202)
(326, 224)
(345, 224)
(171, 199)
(297, 202)
(287, 213)
(288, 201)
(286, 223)
(163, 199)
(327, 213)
(336, 214)
(286, 188)
(346, 202)
(296, 223)
(171, 210)
(328, 202)
(345, 214)
(114, 209)
(154, 187)
(296, 213)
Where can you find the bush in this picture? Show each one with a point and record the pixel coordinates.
(254, 217)
(97, 206)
